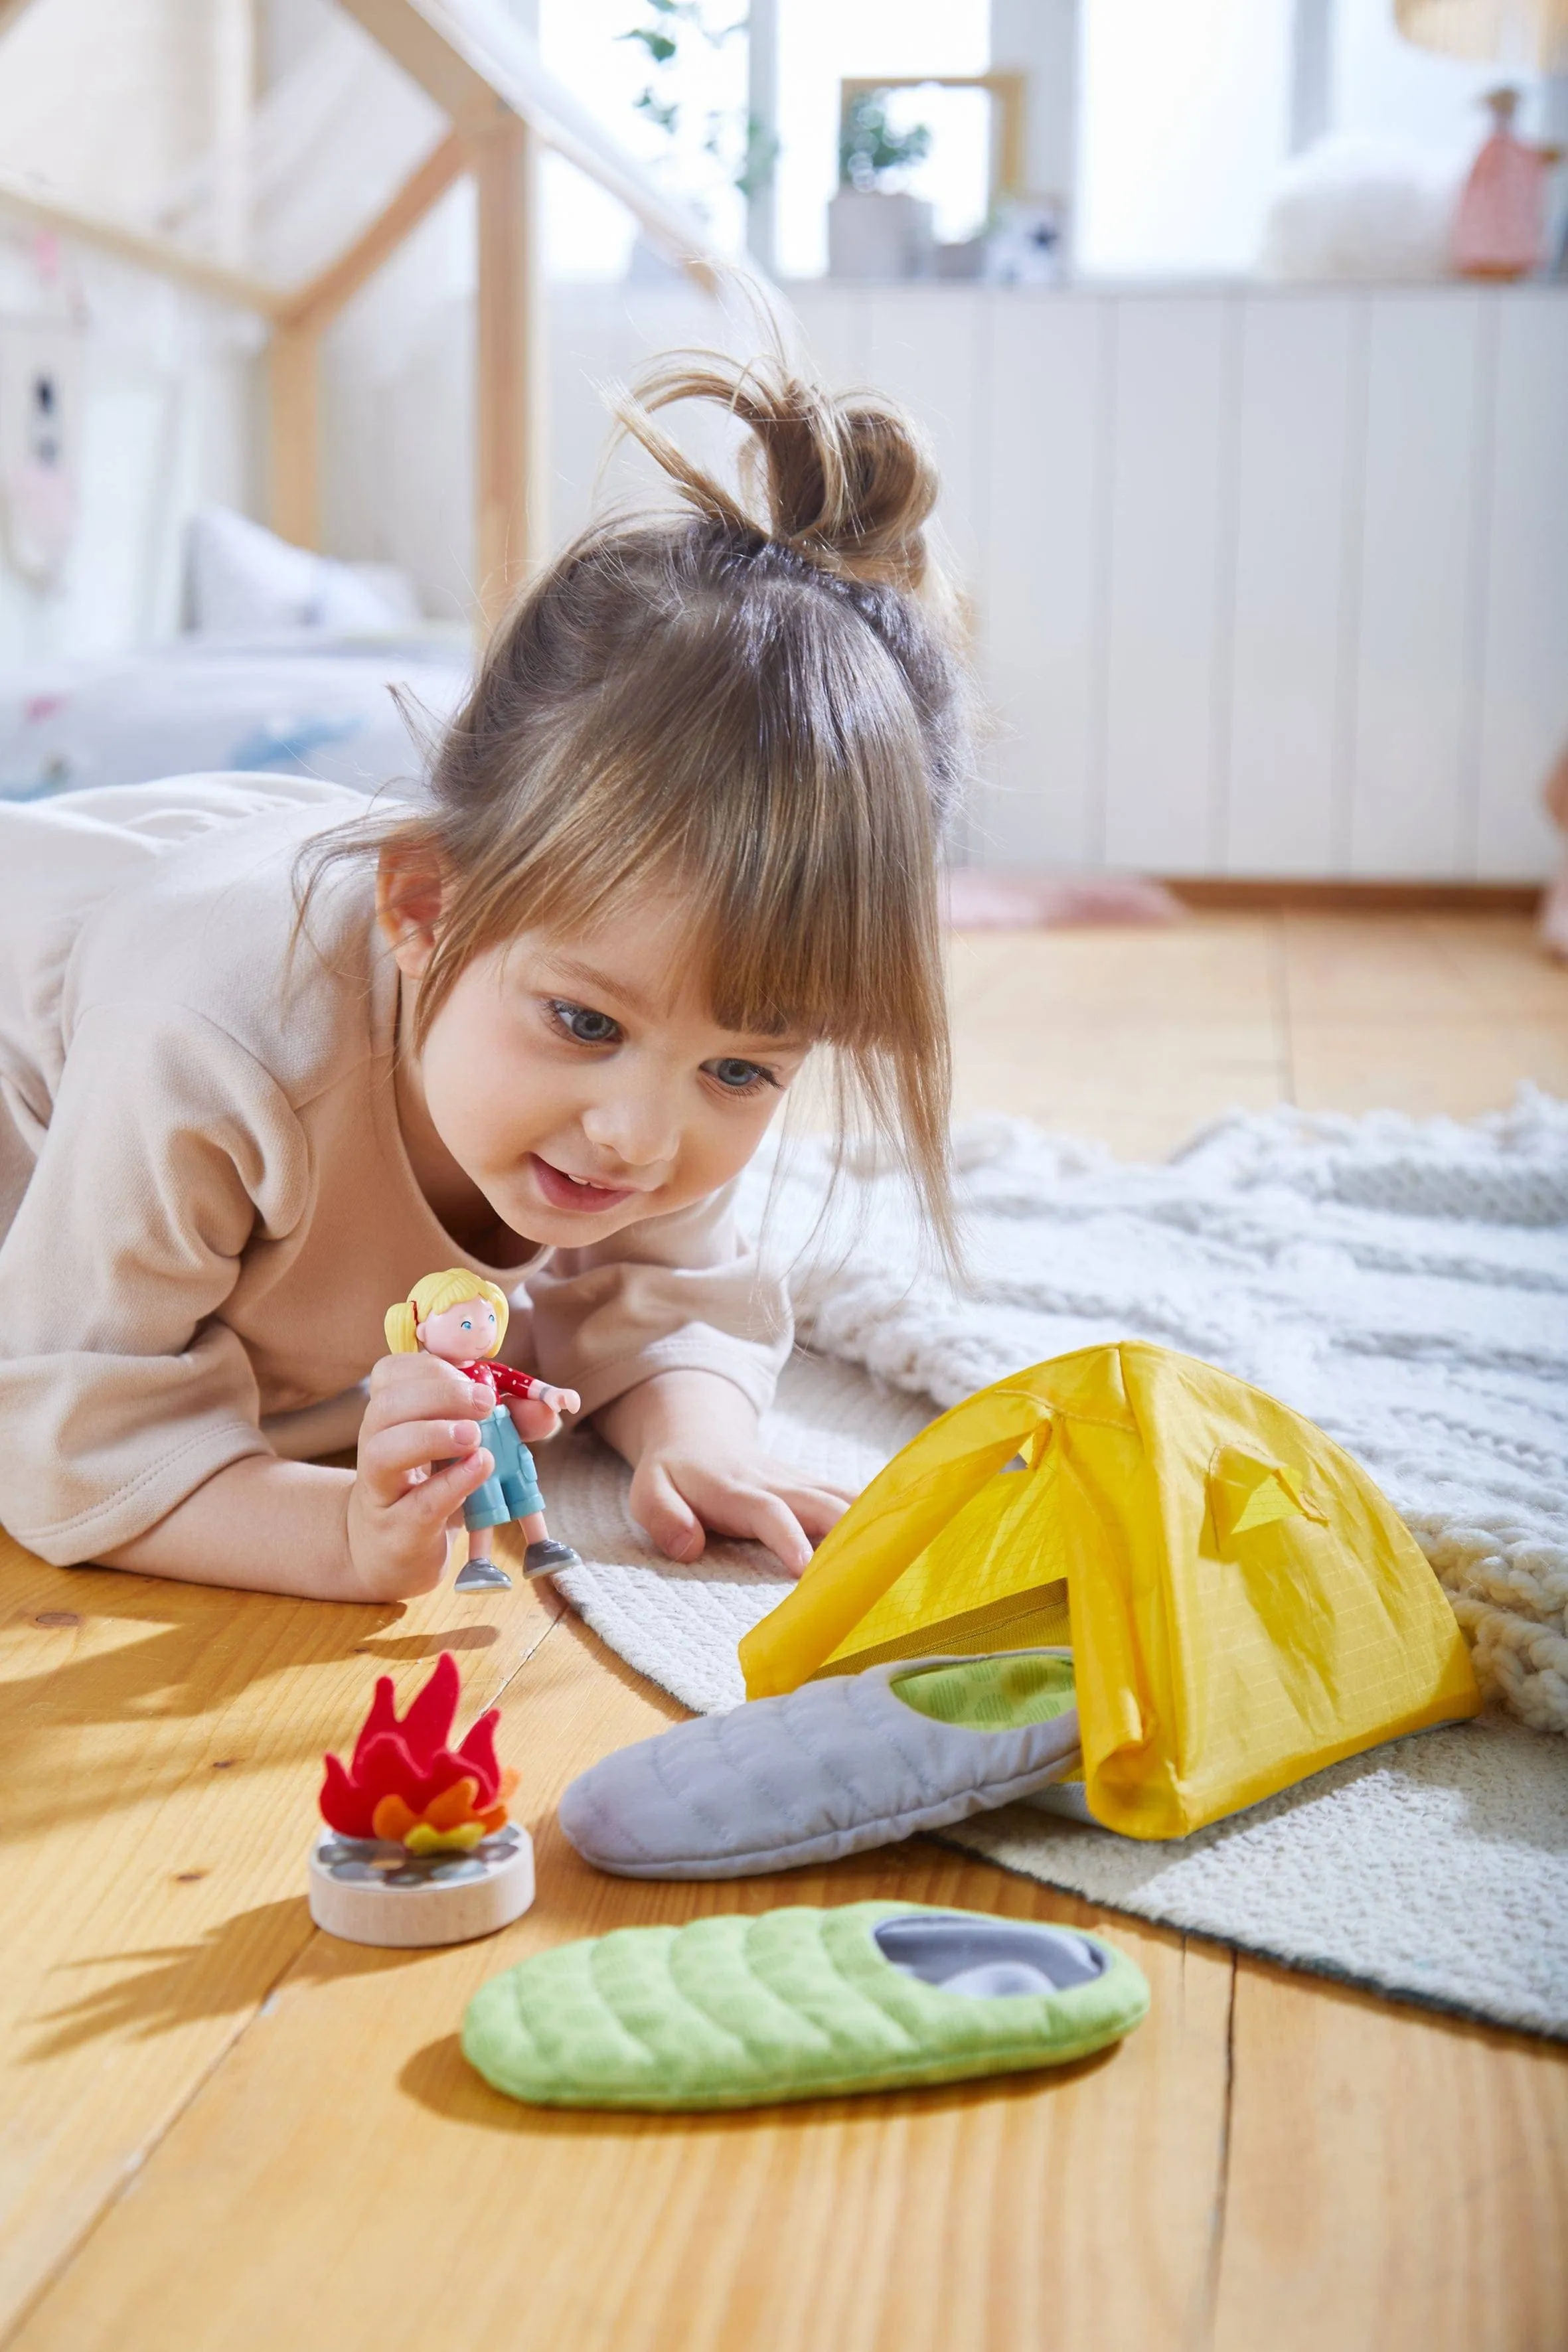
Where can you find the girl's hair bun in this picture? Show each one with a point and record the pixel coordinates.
(846, 480)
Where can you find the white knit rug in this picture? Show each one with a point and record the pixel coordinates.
(1406, 1285)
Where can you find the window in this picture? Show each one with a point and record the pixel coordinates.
(821, 42)
(1184, 119)
(583, 42)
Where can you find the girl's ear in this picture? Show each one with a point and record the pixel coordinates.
(419, 1329)
(408, 895)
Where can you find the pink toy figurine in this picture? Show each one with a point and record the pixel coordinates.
(461, 1318)
(1555, 901)
(1500, 227)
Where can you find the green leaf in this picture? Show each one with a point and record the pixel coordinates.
(666, 113)
(756, 170)
(659, 45)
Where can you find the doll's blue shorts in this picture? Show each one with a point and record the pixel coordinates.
(512, 1490)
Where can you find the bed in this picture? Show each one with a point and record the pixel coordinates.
(303, 702)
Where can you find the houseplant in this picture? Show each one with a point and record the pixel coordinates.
(873, 229)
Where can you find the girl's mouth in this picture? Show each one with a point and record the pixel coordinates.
(563, 1192)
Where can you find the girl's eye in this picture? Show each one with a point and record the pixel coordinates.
(468, 1327)
(742, 1078)
(581, 1021)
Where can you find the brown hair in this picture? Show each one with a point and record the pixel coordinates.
(761, 701)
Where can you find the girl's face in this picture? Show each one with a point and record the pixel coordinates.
(582, 1084)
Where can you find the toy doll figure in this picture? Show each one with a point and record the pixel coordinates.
(462, 1318)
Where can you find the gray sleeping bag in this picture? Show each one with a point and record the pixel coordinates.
(839, 1765)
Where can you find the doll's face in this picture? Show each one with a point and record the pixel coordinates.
(583, 1084)
(461, 1334)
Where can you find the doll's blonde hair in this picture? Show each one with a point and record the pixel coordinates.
(755, 700)
(432, 1294)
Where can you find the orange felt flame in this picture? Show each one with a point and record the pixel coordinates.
(448, 1819)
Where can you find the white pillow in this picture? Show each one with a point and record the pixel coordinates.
(244, 579)
(1352, 208)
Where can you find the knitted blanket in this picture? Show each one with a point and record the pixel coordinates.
(1403, 1284)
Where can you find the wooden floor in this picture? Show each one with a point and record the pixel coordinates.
(221, 2130)
(1139, 1036)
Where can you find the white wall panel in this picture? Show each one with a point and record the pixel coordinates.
(833, 321)
(1169, 566)
(1263, 581)
(603, 338)
(918, 350)
(1524, 677)
(1417, 637)
(1289, 661)
(588, 348)
(923, 350)
(397, 414)
(422, 419)
(1040, 587)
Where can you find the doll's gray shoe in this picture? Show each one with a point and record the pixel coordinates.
(544, 1558)
(481, 1576)
(840, 1765)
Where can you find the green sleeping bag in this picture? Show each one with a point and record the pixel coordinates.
(796, 2003)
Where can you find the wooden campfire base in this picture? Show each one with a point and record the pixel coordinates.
(370, 1892)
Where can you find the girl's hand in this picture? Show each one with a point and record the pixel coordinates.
(419, 1458)
(681, 1497)
(698, 1469)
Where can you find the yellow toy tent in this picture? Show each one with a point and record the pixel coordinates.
(1243, 1605)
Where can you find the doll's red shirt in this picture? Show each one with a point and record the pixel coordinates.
(502, 1379)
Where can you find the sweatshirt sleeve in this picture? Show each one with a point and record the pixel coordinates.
(681, 1292)
(120, 1391)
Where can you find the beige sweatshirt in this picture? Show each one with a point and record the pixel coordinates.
(206, 1204)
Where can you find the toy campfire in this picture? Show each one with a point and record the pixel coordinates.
(418, 1849)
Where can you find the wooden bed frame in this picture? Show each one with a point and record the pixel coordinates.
(503, 109)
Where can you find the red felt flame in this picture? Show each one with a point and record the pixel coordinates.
(409, 1758)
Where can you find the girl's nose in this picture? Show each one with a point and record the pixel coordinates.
(636, 1125)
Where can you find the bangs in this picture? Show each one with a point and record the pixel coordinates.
(795, 825)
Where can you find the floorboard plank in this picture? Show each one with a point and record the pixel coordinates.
(1137, 1037)
(1396, 2181)
(1421, 1013)
(1461, 1068)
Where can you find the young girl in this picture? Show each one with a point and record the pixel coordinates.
(265, 1058)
